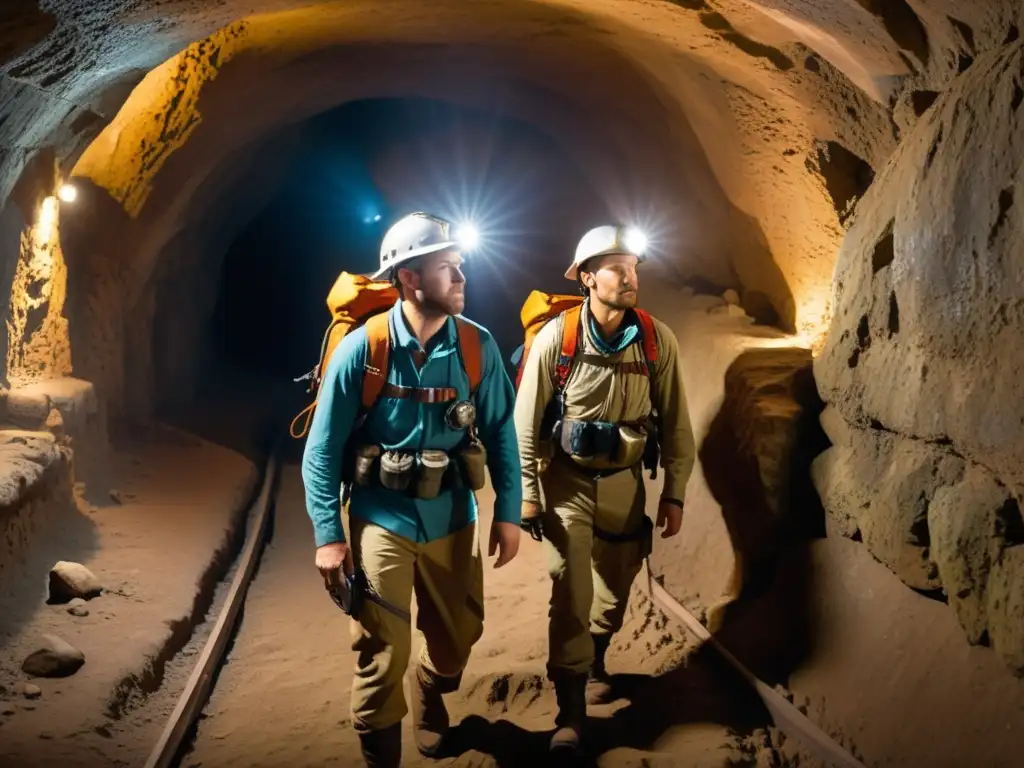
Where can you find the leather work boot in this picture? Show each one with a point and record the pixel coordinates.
(383, 748)
(571, 693)
(599, 684)
(429, 714)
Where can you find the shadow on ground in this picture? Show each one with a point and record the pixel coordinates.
(704, 689)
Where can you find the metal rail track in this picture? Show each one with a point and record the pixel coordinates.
(788, 719)
(167, 751)
(197, 690)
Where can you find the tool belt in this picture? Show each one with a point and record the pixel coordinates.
(423, 475)
(643, 533)
(594, 445)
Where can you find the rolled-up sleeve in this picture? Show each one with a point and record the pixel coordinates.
(336, 410)
(496, 407)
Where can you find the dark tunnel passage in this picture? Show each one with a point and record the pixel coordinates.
(358, 169)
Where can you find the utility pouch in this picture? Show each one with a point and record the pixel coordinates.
(589, 439)
(473, 458)
(632, 445)
(432, 468)
(652, 449)
(366, 456)
(396, 470)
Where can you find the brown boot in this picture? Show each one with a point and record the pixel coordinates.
(572, 714)
(383, 748)
(429, 715)
(599, 684)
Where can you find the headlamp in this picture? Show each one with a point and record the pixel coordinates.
(634, 240)
(467, 236)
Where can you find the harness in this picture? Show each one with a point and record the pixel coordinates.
(555, 423)
(427, 472)
(375, 372)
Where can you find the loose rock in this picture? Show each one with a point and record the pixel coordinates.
(30, 691)
(77, 607)
(71, 580)
(54, 658)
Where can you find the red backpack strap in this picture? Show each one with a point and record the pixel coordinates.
(649, 341)
(648, 336)
(375, 372)
(471, 352)
(570, 345)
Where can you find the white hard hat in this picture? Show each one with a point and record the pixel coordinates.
(605, 240)
(414, 235)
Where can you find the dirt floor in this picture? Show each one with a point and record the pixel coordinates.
(283, 697)
(156, 532)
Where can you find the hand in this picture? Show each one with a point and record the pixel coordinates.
(331, 557)
(531, 522)
(670, 517)
(504, 541)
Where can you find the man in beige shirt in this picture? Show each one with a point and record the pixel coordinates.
(601, 391)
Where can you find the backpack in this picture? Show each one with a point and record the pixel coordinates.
(539, 308)
(354, 301)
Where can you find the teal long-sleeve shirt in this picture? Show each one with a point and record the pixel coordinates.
(405, 425)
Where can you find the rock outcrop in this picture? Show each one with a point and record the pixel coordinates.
(924, 364)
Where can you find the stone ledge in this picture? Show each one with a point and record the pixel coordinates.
(26, 458)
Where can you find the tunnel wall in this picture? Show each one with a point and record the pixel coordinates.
(923, 365)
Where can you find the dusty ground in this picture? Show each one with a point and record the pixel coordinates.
(179, 497)
(283, 697)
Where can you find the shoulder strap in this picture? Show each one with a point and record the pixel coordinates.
(648, 336)
(375, 372)
(471, 352)
(571, 319)
(649, 342)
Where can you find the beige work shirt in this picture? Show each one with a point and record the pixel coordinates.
(602, 392)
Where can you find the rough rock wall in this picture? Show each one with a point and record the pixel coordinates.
(924, 363)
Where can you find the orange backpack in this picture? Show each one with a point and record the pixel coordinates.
(354, 301)
(540, 307)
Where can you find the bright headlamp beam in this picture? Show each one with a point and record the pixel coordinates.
(468, 237)
(635, 241)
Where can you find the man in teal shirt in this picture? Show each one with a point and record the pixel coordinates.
(403, 543)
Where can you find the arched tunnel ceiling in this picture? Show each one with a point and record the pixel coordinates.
(742, 129)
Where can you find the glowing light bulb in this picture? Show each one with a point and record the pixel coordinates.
(68, 193)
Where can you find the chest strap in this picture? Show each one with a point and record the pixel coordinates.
(421, 394)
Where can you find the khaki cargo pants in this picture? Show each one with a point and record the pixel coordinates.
(447, 576)
(591, 577)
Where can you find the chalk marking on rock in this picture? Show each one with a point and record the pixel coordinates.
(197, 691)
(787, 717)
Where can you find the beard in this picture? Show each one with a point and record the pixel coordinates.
(450, 303)
(624, 298)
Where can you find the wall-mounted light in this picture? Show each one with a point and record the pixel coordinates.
(68, 193)
(47, 218)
